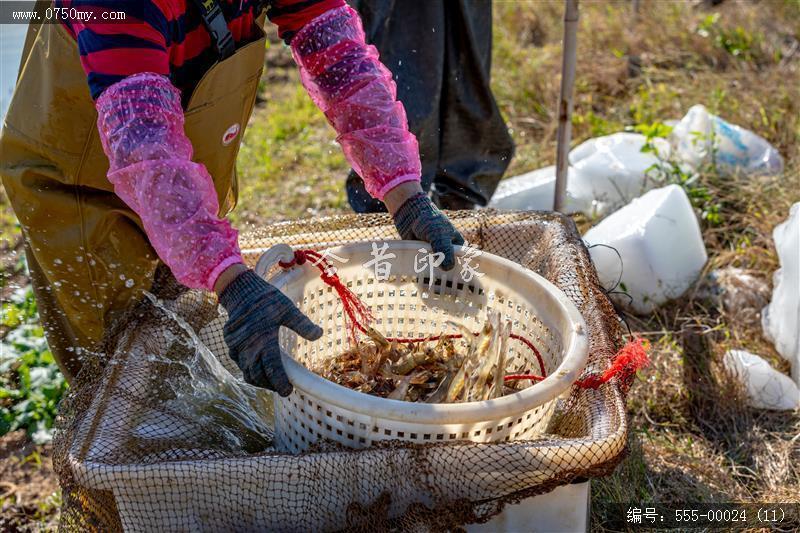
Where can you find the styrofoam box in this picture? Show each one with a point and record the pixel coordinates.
(611, 171)
(534, 191)
(659, 241)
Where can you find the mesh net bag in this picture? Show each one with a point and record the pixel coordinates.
(157, 431)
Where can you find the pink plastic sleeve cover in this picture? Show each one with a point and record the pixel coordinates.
(356, 92)
(140, 120)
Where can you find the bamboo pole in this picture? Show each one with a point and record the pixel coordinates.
(565, 101)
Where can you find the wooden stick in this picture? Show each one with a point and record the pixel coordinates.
(565, 101)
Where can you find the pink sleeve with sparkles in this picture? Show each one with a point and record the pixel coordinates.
(356, 92)
(140, 120)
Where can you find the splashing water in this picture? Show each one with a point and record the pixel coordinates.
(196, 398)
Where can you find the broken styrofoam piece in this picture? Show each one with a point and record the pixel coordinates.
(660, 245)
(701, 137)
(533, 191)
(766, 387)
(781, 318)
(613, 170)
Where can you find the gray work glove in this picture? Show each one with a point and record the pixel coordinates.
(417, 218)
(256, 310)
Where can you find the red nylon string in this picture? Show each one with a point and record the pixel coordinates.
(356, 312)
(629, 360)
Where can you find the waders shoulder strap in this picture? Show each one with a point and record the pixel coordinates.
(217, 26)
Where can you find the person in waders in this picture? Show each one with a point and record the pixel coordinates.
(119, 151)
(440, 54)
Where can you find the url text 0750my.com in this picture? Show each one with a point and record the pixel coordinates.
(23, 12)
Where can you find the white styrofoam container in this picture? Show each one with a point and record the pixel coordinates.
(535, 191)
(612, 170)
(660, 245)
(566, 509)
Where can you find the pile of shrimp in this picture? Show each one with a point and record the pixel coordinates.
(431, 370)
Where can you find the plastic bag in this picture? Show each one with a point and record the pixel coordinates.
(738, 293)
(781, 318)
(701, 138)
(766, 387)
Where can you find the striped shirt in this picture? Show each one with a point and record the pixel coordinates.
(168, 36)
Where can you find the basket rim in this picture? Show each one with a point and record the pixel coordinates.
(575, 345)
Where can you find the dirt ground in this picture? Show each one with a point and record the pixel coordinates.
(28, 486)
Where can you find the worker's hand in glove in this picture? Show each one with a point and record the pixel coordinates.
(256, 310)
(417, 218)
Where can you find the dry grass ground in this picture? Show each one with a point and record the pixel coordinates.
(693, 438)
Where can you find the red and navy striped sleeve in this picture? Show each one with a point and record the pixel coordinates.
(168, 36)
(291, 15)
(111, 51)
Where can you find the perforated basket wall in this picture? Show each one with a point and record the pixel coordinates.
(413, 302)
(156, 435)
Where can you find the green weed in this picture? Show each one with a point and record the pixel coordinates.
(668, 170)
(31, 384)
(597, 124)
(738, 42)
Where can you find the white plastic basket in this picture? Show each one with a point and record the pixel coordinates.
(414, 304)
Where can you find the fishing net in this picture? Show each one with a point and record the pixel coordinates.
(158, 432)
